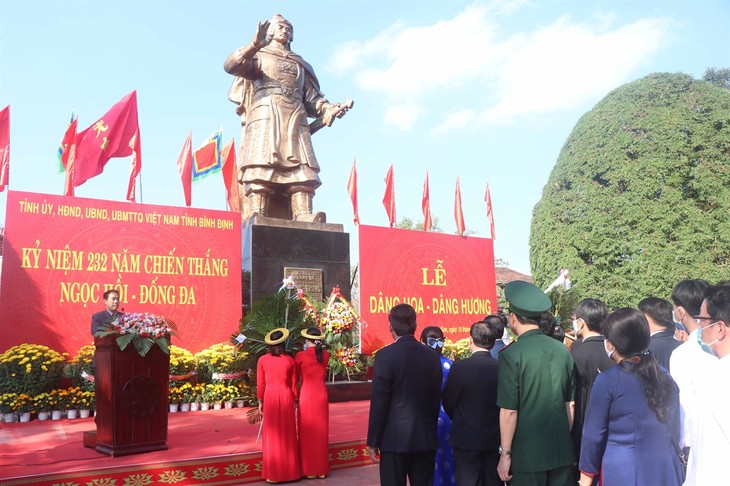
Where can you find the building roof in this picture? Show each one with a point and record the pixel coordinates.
(505, 275)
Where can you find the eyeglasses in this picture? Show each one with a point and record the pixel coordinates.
(698, 319)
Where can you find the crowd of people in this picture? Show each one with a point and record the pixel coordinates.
(634, 396)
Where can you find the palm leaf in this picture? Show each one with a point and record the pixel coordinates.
(124, 339)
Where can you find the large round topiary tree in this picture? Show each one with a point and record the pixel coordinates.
(640, 196)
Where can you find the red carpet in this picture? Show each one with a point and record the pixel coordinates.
(211, 447)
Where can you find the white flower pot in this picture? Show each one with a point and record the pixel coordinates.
(56, 415)
(25, 417)
(205, 406)
(230, 404)
(217, 405)
(240, 403)
(84, 413)
(173, 407)
(194, 406)
(71, 414)
(43, 415)
(184, 407)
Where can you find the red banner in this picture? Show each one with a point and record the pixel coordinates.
(61, 253)
(448, 279)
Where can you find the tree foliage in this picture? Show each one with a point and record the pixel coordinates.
(407, 223)
(718, 76)
(640, 195)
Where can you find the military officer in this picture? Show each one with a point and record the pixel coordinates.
(536, 389)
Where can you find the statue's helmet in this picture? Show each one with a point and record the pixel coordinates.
(279, 19)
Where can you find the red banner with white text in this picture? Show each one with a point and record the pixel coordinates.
(448, 279)
(61, 253)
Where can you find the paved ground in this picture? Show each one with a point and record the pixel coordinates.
(351, 476)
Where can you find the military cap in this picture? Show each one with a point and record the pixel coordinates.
(525, 299)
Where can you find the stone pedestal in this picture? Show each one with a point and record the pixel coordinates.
(275, 248)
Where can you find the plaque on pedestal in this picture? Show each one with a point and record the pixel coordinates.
(131, 399)
(319, 253)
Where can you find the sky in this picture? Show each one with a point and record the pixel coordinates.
(483, 91)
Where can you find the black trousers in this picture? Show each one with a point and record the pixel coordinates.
(418, 467)
(476, 468)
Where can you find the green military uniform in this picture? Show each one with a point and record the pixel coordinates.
(537, 378)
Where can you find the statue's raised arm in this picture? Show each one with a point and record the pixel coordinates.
(276, 92)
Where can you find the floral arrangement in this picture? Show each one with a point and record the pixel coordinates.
(55, 401)
(215, 392)
(187, 393)
(7, 402)
(23, 403)
(42, 402)
(337, 318)
(232, 392)
(456, 350)
(175, 395)
(344, 360)
(198, 390)
(341, 326)
(66, 398)
(81, 368)
(31, 369)
(87, 400)
(143, 330)
(182, 364)
(221, 362)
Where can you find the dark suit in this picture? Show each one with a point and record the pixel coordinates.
(404, 409)
(662, 344)
(470, 399)
(590, 359)
(102, 318)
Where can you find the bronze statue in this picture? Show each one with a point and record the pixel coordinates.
(276, 90)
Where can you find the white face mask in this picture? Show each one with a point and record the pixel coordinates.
(678, 324)
(305, 346)
(608, 353)
(576, 326)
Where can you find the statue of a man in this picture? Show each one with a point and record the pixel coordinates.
(276, 90)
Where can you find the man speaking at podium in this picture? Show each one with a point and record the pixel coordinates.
(107, 316)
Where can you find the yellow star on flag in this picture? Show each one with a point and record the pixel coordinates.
(100, 127)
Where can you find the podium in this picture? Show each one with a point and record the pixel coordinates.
(131, 399)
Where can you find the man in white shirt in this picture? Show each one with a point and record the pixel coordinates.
(710, 447)
(687, 361)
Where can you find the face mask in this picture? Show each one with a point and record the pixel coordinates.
(576, 327)
(305, 346)
(608, 353)
(678, 324)
(706, 346)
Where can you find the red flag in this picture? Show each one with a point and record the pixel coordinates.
(136, 166)
(389, 197)
(426, 206)
(185, 167)
(110, 136)
(458, 213)
(4, 147)
(228, 154)
(352, 190)
(68, 156)
(490, 214)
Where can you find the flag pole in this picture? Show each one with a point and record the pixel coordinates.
(140, 186)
